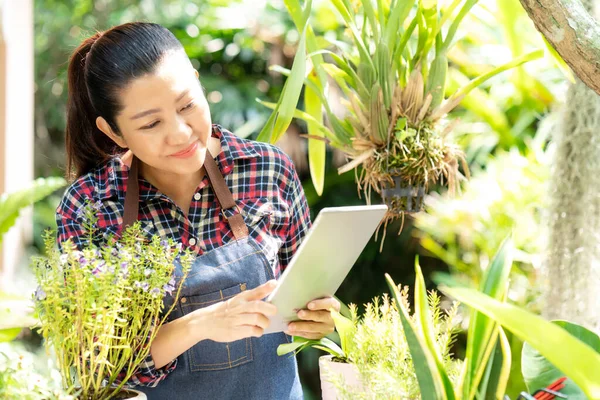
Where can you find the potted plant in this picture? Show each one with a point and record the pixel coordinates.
(101, 306)
(391, 68)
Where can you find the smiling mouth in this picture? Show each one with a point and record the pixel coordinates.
(191, 149)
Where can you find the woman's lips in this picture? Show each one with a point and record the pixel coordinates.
(187, 152)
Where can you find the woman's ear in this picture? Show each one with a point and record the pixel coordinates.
(107, 130)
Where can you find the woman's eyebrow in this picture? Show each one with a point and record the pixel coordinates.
(144, 113)
(155, 110)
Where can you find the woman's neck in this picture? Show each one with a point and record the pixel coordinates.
(179, 188)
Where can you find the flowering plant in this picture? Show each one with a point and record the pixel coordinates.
(100, 306)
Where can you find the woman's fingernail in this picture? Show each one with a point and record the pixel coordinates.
(311, 305)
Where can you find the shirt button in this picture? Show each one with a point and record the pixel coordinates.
(192, 242)
(197, 196)
(183, 300)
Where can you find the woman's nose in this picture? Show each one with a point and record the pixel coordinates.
(180, 133)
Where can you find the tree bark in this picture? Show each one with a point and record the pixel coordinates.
(573, 32)
(572, 258)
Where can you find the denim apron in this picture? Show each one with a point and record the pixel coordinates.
(245, 369)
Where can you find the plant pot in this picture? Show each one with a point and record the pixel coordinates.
(349, 372)
(401, 197)
(130, 394)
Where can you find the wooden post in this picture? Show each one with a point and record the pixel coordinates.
(16, 123)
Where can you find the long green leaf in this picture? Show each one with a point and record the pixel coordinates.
(577, 360)
(481, 328)
(11, 204)
(500, 371)
(316, 148)
(398, 14)
(372, 18)
(426, 368)
(424, 322)
(457, 21)
(534, 55)
(284, 112)
(539, 372)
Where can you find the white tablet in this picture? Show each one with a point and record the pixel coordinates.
(324, 258)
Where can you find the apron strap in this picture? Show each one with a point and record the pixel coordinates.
(236, 222)
(224, 196)
(132, 195)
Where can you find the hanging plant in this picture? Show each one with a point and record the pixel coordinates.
(392, 72)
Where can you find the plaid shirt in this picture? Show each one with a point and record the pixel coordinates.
(261, 178)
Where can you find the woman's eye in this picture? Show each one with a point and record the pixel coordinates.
(187, 107)
(150, 126)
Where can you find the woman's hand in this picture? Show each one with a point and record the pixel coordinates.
(316, 320)
(242, 316)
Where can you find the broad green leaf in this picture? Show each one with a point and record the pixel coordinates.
(11, 204)
(316, 148)
(424, 322)
(539, 372)
(427, 371)
(481, 332)
(346, 329)
(8, 335)
(577, 360)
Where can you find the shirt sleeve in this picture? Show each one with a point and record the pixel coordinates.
(69, 226)
(299, 217)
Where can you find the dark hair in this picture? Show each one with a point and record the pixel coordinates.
(102, 65)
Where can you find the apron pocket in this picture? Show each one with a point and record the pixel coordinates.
(209, 355)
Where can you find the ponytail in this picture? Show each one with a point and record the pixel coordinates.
(100, 67)
(86, 145)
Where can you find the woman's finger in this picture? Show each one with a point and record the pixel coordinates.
(253, 319)
(316, 316)
(313, 327)
(324, 304)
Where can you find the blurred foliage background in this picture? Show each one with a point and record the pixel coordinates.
(234, 42)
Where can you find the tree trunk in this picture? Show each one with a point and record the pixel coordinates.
(572, 265)
(573, 32)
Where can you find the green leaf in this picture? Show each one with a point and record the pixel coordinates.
(560, 63)
(305, 117)
(284, 112)
(397, 16)
(297, 345)
(577, 360)
(424, 323)
(316, 148)
(11, 204)
(538, 372)
(534, 55)
(493, 384)
(481, 328)
(8, 335)
(346, 329)
(424, 361)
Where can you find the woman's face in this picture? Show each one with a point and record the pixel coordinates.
(165, 120)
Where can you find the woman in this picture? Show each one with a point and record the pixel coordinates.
(139, 138)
